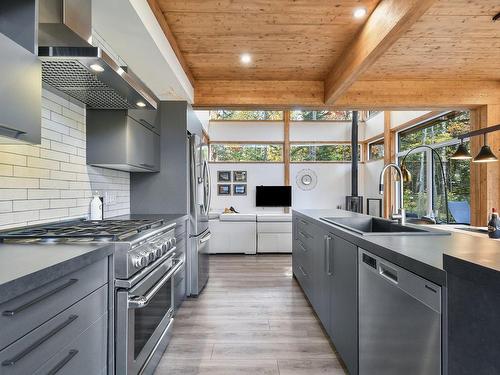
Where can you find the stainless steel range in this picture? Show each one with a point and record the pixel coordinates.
(145, 264)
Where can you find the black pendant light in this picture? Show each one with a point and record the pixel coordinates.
(485, 154)
(461, 153)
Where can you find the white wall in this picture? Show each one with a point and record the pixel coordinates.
(257, 174)
(301, 131)
(51, 181)
(334, 184)
(246, 131)
(401, 117)
(374, 125)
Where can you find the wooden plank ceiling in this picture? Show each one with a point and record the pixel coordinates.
(288, 40)
(453, 40)
(304, 44)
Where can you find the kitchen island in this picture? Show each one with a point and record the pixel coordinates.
(330, 280)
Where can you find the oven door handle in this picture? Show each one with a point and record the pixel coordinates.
(139, 302)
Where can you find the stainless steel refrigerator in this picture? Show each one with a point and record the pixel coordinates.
(200, 194)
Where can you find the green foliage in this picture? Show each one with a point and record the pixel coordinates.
(457, 172)
(325, 153)
(321, 115)
(246, 153)
(246, 115)
(376, 150)
(439, 130)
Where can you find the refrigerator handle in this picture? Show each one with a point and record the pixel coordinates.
(207, 188)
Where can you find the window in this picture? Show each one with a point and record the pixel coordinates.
(232, 152)
(424, 195)
(246, 115)
(321, 115)
(438, 130)
(370, 114)
(321, 152)
(376, 150)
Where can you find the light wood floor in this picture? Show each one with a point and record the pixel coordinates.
(252, 318)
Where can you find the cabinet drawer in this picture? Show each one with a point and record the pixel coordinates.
(23, 314)
(87, 354)
(27, 354)
(267, 227)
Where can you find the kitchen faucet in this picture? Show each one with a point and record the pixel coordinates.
(400, 216)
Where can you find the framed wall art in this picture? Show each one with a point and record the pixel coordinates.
(224, 176)
(223, 189)
(239, 189)
(239, 176)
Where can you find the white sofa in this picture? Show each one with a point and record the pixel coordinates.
(250, 233)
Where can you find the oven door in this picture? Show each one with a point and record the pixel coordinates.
(144, 319)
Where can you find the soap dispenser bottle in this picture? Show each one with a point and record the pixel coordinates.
(96, 207)
(494, 225)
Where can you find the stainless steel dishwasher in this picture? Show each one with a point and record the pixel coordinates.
(399, 320)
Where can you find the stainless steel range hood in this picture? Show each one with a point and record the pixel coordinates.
(72, 65)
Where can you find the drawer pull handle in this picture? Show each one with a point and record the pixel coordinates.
(63, 362)
(39, 299)
(303, 272)
(302, 246)
(40, 341)
(303, 234)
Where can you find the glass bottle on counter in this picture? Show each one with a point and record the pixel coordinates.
(494, 225)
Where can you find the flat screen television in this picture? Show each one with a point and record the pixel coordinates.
(273, 196)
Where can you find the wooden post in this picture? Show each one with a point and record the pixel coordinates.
(484, 177)
(389, 157)
(286, 149)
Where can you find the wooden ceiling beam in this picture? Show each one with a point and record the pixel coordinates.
(362, 95)
(387, 23)
(160, 17)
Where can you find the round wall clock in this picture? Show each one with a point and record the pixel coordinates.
(306, 179)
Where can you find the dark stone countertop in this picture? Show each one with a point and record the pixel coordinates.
(422, 255)
(24, 267)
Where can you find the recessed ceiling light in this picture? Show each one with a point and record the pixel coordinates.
(246, 58)
(97, 68)
(141, 104)
(359, 12)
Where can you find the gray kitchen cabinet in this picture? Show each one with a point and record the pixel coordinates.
(21, 93)
(343, 311)
(61, 326)
(116, 140)
(180, 275)
(330, 283)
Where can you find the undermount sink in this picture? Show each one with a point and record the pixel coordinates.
(377, 227)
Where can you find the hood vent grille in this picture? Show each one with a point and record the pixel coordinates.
(72, 78)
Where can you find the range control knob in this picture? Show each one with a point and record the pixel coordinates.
(158, 250)
(173, 241)
(139, 261)
(144, 253)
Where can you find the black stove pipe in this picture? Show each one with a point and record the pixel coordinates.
(354, 161)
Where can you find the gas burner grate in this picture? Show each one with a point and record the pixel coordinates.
(105, 230)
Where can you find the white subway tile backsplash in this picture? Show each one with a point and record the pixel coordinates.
(43, 163)
(54, 155)
(12, 159)
(31, 172)
(6, 170)
(53, 213)
(18, 182)
(32, 204)
(43, 194)
(5, 206)
(51, 181)
(11, 194)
